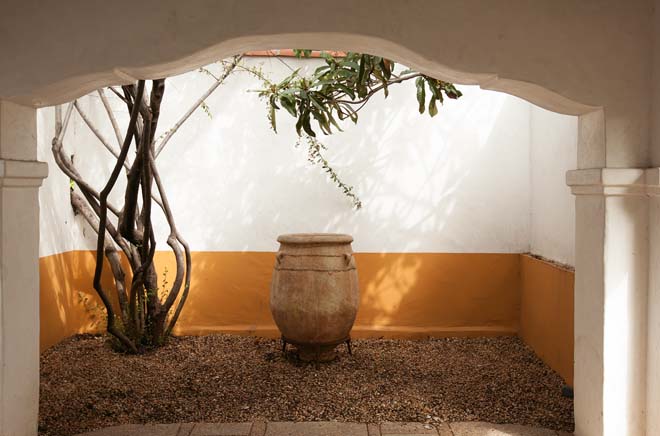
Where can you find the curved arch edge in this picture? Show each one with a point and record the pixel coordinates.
(76, 86)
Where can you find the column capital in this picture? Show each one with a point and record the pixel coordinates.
(22, 173)
(615, 182)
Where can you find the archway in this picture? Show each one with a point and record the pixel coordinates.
(607, 267)
(250, 179)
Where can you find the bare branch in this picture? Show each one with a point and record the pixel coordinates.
(61, 126)
(172, 240)
(98, 134)
(103, 215)
(81, 207)
(196, 105)
(58, 119)
(378, 88)
(111, 116)
(90, 194)
(115, 92)
(65, 164)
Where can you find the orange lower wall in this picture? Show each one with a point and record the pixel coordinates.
(411, 295)
(67, 300)
(403, 295)
(546, 315)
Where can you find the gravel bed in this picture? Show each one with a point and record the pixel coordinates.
(223, 378)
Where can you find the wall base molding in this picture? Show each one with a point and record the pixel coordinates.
(358, 332)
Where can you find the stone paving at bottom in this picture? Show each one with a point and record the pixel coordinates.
(261, 428)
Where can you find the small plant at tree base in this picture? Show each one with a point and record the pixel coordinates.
(96, 311)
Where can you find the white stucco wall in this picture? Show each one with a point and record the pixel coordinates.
(459, 182)
(653, 304)
(553, 151)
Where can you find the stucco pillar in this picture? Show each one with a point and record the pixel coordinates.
(653, 361)
(20, 178)
(611, 284)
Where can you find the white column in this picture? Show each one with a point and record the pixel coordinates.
(653, 362)
(611, 285)
(20, 178)
(653, 341)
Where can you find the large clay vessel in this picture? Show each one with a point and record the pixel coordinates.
(314, 294)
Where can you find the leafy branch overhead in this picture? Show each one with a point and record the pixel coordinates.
(340, 88)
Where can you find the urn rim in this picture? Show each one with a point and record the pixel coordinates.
(315, 238)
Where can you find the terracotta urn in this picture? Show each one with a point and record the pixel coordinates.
(314, 294)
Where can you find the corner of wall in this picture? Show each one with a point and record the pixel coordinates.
(546, 312)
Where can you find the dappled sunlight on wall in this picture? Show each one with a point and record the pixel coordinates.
(68, 303)
(447, 207)
(229, 293)
(423, 294)
(427, 184)
(388, 287)
(401, 294)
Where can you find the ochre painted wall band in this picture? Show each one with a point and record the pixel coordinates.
(402, 295)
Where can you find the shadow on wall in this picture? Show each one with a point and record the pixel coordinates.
(425, 183)
(402, 295)
(416, 194)
(422, 210)
(411, 295)
(68, 302)
(438, 294)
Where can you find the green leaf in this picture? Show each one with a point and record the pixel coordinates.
(325, 55)
(384, 66)
(288, 78)
(352, 65)
(273, 101)
(323, 121)
(299, 124)
(288, 103)
(451, 90)
(379, 75)
(363, 61)
(273, 123)
(433, 86)
(316, 103)
(421, 94)
(306, 126)
(362, 91)
(321, 69)
(346, 90)
(433, 109)
(345, 72)
(334, 122)
(302, 52)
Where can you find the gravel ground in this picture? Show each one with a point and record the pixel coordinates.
(222, 378)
